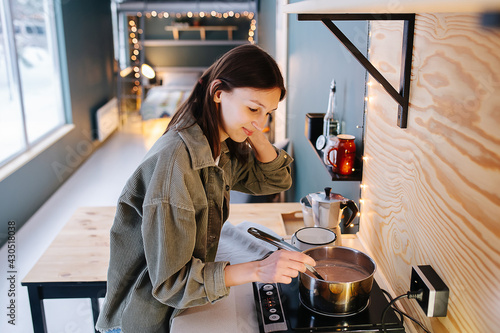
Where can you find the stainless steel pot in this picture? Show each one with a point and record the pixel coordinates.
(348, 280)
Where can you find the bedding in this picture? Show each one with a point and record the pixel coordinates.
(162, 101)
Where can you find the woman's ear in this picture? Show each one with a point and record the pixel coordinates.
(217, 96)
(213, 86)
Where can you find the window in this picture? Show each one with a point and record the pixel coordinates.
(31, 101)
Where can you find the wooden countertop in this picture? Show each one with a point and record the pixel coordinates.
(80, 252)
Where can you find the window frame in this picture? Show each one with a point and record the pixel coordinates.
(54, 46)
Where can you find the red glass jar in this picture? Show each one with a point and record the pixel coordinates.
(341, 156)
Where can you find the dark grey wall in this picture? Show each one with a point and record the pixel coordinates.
(315, 57)
(89, 80)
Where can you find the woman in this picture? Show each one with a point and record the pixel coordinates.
(169, 216)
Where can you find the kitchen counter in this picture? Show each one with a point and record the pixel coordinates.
(86, 235)
(236, 313)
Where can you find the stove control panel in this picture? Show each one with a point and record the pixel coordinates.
(271, 309)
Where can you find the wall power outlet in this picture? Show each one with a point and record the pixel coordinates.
(434, 300)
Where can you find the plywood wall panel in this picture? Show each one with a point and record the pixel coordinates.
(431, 191)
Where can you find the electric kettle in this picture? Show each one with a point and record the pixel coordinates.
(327, 211)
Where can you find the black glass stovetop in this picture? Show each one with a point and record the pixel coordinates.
(301, 319)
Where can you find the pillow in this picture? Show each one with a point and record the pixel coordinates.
(180, 79)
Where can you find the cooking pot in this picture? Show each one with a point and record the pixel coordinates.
(348, 280)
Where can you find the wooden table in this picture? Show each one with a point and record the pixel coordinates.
(76, 262)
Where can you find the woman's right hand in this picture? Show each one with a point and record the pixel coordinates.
(282, 266)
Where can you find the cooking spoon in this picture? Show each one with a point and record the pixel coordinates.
(280, 243)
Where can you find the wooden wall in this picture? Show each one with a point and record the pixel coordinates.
(432, 191)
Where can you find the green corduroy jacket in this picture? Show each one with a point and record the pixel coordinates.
(167, 226)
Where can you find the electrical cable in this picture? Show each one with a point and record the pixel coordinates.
(401, 313)
(409, 295)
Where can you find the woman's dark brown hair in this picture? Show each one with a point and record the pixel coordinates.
(245, 66)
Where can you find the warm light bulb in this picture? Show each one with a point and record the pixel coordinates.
(189, 14)
(154, 13)
(213, 13)
(125, 72)
(237, 15)
(147, 71)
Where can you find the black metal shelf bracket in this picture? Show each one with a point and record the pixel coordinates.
(402, 97)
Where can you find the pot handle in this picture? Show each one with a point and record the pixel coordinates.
(278, 242)
(281, 244)
(353, 208)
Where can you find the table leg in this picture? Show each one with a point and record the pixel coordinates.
(95, 310)
(37, 309)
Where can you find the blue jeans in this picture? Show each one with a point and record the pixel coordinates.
(114, 330)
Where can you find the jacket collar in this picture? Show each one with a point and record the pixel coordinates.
(198, 147)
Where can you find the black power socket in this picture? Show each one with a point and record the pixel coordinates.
(435, 293)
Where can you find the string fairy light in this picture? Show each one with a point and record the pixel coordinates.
(135, 32)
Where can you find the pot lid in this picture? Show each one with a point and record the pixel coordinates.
(326, 196)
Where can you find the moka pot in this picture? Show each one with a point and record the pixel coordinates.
(328, 208)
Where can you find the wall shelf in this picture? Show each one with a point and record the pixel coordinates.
(401, 6)
(202, 30)
(327, 11)
(313, 129)
(402, 97)
(170, 42)
(356, 176)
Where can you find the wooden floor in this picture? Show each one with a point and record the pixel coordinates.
(98, 182)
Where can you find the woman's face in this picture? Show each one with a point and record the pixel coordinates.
(242, 106)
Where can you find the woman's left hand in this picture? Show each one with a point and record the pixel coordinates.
(264, 150)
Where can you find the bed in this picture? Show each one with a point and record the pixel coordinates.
(163, 100)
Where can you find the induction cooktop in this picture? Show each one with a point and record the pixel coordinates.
(279, 309)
